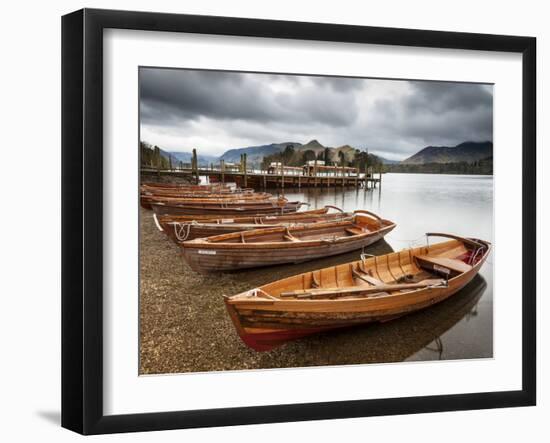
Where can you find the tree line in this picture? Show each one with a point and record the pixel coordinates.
(291, 157)
(152, 157)
(480, 167)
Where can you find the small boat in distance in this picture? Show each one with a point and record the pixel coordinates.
(284, 244)
(371, 289)
(184, 230)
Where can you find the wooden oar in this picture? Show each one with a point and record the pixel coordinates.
(367, 278)
(354, 290)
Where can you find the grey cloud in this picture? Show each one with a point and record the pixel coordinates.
(438, 97)
(167, 96)
(436, 113)
(238, 109)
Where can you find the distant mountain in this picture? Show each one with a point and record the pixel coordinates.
(312, 145)
(387, 161)
(185, 157)
(465, 152)
(255, 154)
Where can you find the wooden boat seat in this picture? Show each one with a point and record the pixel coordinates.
(442, 263)
(367, 278)
(355, 231)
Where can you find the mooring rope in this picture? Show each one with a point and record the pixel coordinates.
(182, 231)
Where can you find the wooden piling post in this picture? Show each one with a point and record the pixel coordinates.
(222, 168)
(157, 160)
(244, 170)
(194, 166)
(315, 174)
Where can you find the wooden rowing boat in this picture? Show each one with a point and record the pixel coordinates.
(146, 199)
(174, 218)
(265, 247)
(224, 210)
(179, 231)
(161, 193)
(217, 186)
(371, 289)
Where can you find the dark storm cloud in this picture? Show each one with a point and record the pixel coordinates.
(216, 110)
(168, 96)
(435, 113)
(436, 97)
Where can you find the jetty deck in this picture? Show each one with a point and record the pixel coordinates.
(264, 179)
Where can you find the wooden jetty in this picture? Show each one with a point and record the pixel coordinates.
(281, 176)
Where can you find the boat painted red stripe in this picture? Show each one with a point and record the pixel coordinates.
(266, 341)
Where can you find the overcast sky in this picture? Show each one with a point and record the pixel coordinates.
(214, 111)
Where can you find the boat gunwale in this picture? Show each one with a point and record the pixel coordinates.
(239, 299)
(212, 243)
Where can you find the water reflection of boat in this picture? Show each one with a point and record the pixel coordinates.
(369, 290)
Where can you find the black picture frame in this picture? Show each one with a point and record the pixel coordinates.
(82, 218)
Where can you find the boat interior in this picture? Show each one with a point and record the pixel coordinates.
(395, 273)
(358, 225)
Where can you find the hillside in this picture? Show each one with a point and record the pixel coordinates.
(467, 152)
(255, 154)
(387, 161)
(185, 157)
(312, 145)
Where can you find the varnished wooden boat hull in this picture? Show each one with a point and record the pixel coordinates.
(263, 323)
(210, 255)
(184, 231)
(186, 193)
(197, 210)
(232, 259)
(240, 219)
(147, 201)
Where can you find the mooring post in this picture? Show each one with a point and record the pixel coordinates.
(195, 166)
(283, 176)
(244, 170)
(157, 160)
(315, 174)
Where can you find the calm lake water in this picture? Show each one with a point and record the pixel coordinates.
(461, 327)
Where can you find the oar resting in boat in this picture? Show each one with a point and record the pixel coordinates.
(370, 289)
